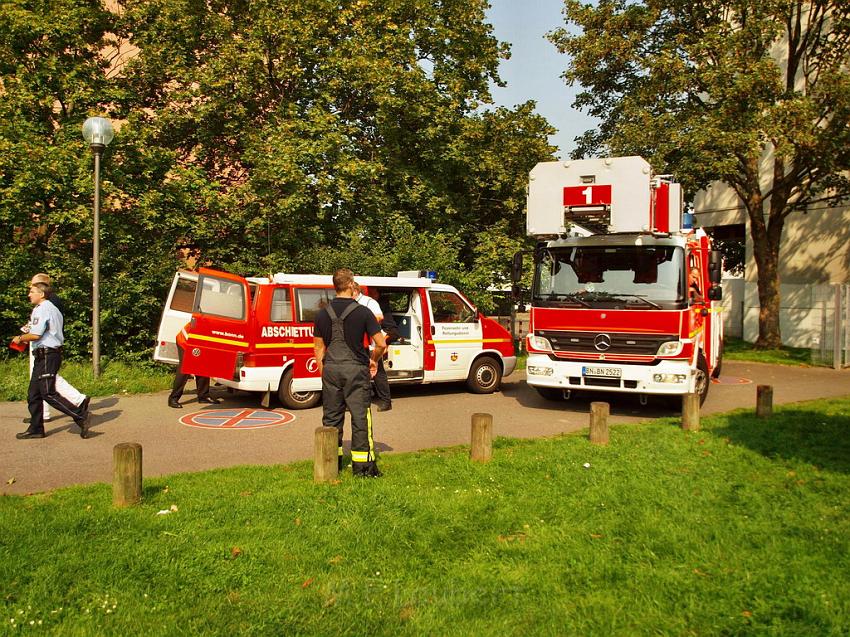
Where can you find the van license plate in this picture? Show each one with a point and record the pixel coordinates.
(608, 372)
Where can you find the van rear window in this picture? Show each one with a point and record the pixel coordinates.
(223, 298)
(184, 295)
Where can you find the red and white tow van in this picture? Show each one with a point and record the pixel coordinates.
(256, 334)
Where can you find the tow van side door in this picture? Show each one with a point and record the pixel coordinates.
(175, 314)
(456, 334)
(218, 332)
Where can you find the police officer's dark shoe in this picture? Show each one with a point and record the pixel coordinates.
(174, 404)
(210, 401)
(84, 425)
(28, 435)
(384, 406)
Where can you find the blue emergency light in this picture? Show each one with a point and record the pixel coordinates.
(430, 274)
(688, 221)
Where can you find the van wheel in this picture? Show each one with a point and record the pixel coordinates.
(485, 377)
(296, 400)
(702, 379)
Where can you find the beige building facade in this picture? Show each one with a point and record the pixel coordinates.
(814, 258)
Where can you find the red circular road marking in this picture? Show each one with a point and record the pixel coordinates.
(237, 418)
(731, 380)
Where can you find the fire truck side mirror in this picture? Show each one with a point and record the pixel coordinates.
(715, 267)
(715, 293)
(516, 269)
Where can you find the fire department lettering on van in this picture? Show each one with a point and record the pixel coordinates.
(287, 331)
(442, 336)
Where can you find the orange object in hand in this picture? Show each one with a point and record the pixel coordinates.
(21, 347)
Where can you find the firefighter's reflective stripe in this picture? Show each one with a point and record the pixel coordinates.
(216, 339)
(366, 456)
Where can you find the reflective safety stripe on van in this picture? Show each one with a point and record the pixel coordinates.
(469, 340)
(216, 339)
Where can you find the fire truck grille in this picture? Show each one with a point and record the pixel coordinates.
(609, 343)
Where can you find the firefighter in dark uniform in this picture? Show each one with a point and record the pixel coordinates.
(341, 330)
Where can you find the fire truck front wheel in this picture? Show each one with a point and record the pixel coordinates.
(702, 379)
(296, 400)
(485, 377)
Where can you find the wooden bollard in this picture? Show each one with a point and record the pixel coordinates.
(126, 474)
(599, 423)
(764, 401)
(690, 412)
(326, 455)
(481, 447)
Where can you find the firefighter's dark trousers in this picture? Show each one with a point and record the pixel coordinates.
(346, 385)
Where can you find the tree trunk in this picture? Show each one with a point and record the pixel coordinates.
(766, 253)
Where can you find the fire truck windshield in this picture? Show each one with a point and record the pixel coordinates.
(611, 277)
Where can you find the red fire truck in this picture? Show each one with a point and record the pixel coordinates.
(256, 334)
(625, 295)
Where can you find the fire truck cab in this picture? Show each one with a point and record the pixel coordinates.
(625, 295)
(256, 334)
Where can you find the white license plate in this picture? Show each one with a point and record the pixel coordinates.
(608, 372)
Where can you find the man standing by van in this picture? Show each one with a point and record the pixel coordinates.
(346, 366)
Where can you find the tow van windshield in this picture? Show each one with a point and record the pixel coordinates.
(646, 277)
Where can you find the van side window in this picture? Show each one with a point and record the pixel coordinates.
(310, 301)
(184, 295)
(281, 306)
(448, 307)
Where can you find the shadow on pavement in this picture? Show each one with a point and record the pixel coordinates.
(794, 434)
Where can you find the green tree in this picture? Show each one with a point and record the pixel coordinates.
(306, 122)
(51, 76)
(752, 93)
(265, 136)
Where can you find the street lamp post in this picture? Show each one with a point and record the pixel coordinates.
(97, 131)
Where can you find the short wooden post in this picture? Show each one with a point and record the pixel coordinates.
(690, 412)
(599, 423)
(481, 448)
(764, 401)
(326, 455)
(126, 474)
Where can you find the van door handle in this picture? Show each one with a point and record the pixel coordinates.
(433, 330)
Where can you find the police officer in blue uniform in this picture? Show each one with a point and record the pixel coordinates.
(47, 338)
(346, 366)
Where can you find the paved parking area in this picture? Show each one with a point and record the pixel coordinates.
(422, 418)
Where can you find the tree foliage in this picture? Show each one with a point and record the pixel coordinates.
(265, 136)
(752, 93)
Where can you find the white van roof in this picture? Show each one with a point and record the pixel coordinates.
(378, 281)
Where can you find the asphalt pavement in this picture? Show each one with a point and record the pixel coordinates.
(200, 437)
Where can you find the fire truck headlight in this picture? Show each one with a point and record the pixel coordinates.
(669, 378)
(539, 343)
(670, 348)
(534, 370)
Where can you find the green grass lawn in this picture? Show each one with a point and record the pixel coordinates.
(116, 377)
(736, 349)
(743, 528)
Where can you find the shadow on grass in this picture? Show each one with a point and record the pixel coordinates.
(817, 438)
